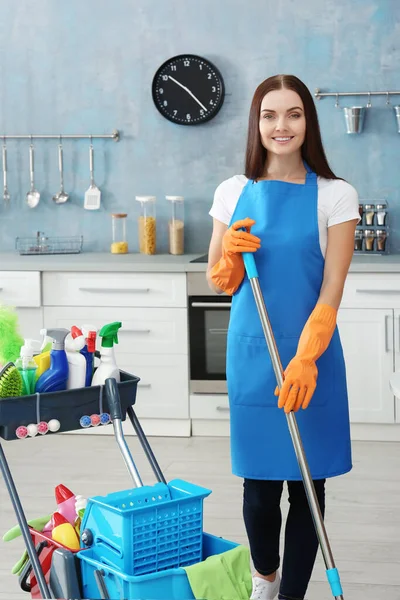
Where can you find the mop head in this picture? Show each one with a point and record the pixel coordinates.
(10, 339)
(10, 382)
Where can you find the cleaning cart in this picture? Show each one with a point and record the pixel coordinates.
(134, 543)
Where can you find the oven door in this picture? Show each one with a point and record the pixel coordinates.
(208, 327)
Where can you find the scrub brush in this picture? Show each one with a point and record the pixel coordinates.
(10, 381)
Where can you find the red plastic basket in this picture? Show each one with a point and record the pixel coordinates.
(45, 557)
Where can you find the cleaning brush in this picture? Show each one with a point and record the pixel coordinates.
(10, 381)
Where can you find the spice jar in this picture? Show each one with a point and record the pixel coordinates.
(119, 244)
(147, 224)
(381, 213)
(369, 235)
(176, 225)
(381, 235)
(369, 214)
(361, 211)
(358, 239)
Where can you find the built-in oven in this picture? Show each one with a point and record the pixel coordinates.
(208, 327)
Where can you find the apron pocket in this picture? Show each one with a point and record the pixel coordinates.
(251, 379)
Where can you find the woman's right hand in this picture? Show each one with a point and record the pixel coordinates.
(236, 240)
(227, 273)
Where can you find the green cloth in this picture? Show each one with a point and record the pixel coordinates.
(225, 576)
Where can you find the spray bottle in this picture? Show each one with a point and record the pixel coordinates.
(27, 366)
(74, 342)
(108, 367)
(90, 333)
(55, 379)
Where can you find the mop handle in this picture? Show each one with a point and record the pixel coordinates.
(331, 570)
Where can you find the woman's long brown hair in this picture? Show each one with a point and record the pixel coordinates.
(312, 149)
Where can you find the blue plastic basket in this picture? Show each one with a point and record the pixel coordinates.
(148, 529)
(172, 584)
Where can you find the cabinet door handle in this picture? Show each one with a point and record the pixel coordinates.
(94, 290)
(399, 334)
(378, 291)
(211, 304)
(125, 330)
(144, 385)
(218, 331)
(387, 346)
(223, 408)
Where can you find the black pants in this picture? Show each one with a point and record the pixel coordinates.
(263, 520)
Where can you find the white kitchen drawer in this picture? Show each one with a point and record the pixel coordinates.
(209, 406)
(144, 330)
(372, 290)
(163, 390)
(114, 289)
(20, 288)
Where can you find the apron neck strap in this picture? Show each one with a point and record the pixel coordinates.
(311, 177)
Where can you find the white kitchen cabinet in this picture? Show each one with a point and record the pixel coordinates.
(153, 340)
(368, 344)
(115, 289)
(143, 331)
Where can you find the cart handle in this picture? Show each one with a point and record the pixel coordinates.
(114, 403)
(23, 578)
(101, 584)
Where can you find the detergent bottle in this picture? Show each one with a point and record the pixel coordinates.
(27, 366)
(64, 533)
(74, 342)
(90, 333)
(55, 379)
(108, 367)
(65, 500)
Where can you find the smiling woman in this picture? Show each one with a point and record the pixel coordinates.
(299, 218)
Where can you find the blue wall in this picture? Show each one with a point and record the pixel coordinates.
(87, 66)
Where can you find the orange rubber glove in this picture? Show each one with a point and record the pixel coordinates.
(300, 378)
(228, 272)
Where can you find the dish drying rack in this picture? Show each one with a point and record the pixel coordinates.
(41, 244)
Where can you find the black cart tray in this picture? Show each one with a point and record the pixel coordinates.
(67, 406)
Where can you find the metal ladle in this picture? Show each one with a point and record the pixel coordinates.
(33, 196)
(62, 196)
(6, 195)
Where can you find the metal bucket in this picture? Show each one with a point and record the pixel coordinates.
(397, 114)
(354, 117)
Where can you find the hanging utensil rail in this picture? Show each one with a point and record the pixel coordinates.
(115, 135)
(318, 94)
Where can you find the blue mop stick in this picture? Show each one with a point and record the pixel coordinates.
(331, 570)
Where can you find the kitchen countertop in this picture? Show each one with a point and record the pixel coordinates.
(159, 263)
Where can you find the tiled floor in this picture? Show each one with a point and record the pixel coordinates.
(363, 508)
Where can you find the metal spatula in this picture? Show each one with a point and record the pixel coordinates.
(93, 194)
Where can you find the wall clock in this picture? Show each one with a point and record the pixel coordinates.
(188, 90)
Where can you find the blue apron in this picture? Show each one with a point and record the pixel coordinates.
(290, 266)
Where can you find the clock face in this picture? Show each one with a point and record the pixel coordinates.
(188, 90)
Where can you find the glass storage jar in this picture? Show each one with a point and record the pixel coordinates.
(369, 236)
(176, 225)
(119, 243)
(147, 224)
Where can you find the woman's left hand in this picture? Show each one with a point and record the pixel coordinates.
(300, 381)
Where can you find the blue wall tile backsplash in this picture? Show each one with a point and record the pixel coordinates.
(87, 67)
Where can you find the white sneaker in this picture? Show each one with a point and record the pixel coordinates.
(265, 590)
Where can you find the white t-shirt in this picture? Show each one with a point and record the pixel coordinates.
(337, 203)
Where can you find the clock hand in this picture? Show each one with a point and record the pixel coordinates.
(188, 91)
